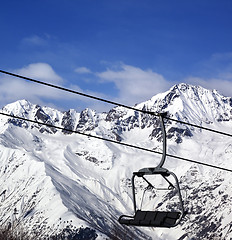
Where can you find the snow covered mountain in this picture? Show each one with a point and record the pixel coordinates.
(58, 182)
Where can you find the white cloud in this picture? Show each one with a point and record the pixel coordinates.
(40, 71)
(135, 84)
(82, 70)
(13, 89)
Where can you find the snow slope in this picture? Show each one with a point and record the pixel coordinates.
(51, 179)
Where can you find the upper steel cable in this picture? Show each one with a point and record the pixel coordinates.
(112, 102)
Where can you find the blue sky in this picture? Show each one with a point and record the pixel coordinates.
(124, 50)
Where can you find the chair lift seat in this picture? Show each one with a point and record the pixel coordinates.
(151, 219)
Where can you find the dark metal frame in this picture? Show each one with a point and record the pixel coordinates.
(159, 170)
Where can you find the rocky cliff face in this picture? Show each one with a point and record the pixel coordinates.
(53, 181)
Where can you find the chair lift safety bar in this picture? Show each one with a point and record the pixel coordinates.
(155, 218)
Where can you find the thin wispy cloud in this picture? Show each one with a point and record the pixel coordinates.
(216, 73)
(223, 86)
(35, 40)
(222, 62)
(82, 70)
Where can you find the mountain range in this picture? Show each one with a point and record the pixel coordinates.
(56, 183)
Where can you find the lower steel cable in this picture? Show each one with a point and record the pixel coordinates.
(114, 141)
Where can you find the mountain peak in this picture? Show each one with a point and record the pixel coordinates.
(18, 107)
(188, 88)
(193, 103)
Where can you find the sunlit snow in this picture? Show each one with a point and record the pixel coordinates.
(50, 179)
